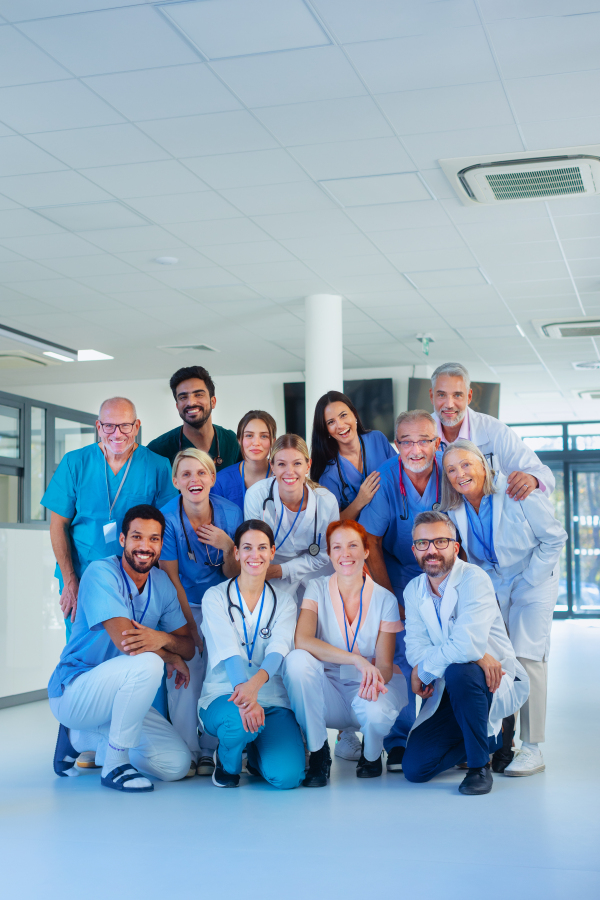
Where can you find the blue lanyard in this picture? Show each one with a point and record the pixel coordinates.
(351, 648)
(244, 489)
(293, 523)
(248, 644)
(488, 549)
(126, 582)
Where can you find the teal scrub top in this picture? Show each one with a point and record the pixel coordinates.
(77, 491)
(171, 442)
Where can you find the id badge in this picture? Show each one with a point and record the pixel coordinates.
(110, 532)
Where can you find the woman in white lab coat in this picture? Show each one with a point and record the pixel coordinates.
(298, 512)
(341, 673)
(518, 544)
(248, 629)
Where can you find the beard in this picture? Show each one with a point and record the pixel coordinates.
(196, 423)
(450, 423)
(435, 570)
(416, 468)
(137, 565)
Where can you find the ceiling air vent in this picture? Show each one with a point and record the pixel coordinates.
(526, 176)
(186, 348)
(589, 395)
(585, 327)
(586, 366)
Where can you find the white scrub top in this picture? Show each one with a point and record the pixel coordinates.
(224, 639)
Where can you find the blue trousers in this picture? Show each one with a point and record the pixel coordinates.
(405, 721)
(458, 729)
(277, 751)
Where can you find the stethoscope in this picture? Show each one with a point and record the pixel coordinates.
(404, 514)
(264, 632)
(190, 552)
(344, 484)
(217, 460)
(128, 590)
(314, 549)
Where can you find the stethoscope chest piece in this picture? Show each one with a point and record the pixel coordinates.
(265, 633)
(436, 506)
(314, 549)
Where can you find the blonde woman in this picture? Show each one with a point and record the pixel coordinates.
(297, 510)
(256, 434)
(197, 553)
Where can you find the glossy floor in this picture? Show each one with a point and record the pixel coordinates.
(531, 838)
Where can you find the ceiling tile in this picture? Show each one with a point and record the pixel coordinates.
(50, 188)
(223, 294)
(22, 222)
(306, 224)
(527, 271)
(564, 96)
(116, 40)
(151, 179)
(428, 149)
(146, 259)
(418, 239)
(296, 76)
(218, 231)
(446, 277)
(24, 270)
(286, 270)
(53, 106)
(81, 266)
(288, 290)
(91, 216)
(525, 9)
(546, 44)
(50, 246)
(193, 278)
(18, 156)
(322, 121)
(246, 169)
(194, 207)
(241, 27)
(362, 20)
(584, 248)
(347, 159)
(251, 252)
(21, 62)
(561, 133)
(333, 245)
(108, 145)
(422, 260)
(225, 132)
(360, 283)
(492, 255)
(300, 196)
(421, 214)
(163, 296)
(374, 264)
(122, 240)
(448, 108)
(578, 226)
(507, 232)
(374, 189)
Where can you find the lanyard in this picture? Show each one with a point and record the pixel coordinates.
(351, 648)
(111, 506)
(293, 523)
(244, 481)
(126, 582)
(488, 549)
(250, 651)
(404, 495)
(190, 552)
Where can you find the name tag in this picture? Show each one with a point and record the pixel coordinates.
(110, 532)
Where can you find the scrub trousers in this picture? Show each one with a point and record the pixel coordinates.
(112, 702)
(457, 730)
(183, 702)
(276, 751)
(398, 735)
(320, 700)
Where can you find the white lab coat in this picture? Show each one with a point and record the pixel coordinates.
(528, 540)
(297, 565)
(471, 626)
(504, 448)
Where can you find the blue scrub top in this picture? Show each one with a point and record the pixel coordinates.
(377, 451)
(196, 577)
(77, 491)
(382, 518)
(229, 484)
(480, 538)
(102, 596)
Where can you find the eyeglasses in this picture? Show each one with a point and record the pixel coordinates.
(124, 428)
(407, 445)
(438, 543)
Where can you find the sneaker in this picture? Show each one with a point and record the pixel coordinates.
(206, 765)
(318, 767)
(365, 768)
(477, 781)
(394, 759)
(348, 746)
(220, 777)
(526, 762)
(87, 760)
(191, 772)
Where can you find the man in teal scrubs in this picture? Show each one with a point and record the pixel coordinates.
(194, 393)
(91, 491)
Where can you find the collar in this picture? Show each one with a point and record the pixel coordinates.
(441, 588)
(465, 428)
(338, 606)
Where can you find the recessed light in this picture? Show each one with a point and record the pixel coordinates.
(89, 355)
(57, 356)
(166, 260)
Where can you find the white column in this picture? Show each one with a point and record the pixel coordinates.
(324, 367)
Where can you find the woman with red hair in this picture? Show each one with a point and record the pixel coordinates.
(341, 673)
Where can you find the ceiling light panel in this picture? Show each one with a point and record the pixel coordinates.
(394, 188)
(225, 28)
(91, 216)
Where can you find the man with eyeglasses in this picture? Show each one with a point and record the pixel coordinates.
(92, 489)
(464, 666)
(410, 484)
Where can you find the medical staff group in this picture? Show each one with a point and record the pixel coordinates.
(229, 597)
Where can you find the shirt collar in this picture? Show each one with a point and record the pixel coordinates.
(465, 429)
(441, 587)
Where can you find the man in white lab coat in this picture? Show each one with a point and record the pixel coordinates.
(451, 394)
(465, 668)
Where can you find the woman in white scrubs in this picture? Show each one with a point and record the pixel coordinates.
(297, 511)
(341, 673)
(249, 629)
(256, 433)
(518, 544)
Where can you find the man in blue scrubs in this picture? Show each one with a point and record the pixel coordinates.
(410, 484)
(91, 491)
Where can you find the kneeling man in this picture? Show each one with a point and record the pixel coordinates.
(128, 624)
(465, 668)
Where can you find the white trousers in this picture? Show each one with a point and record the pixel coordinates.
(527, 612)
(320, 700)
(533, 711)
(183, 702)
(113, 701)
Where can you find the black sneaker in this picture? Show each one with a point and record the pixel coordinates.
(477, 781)
(394, 759)
(221, 778)
(319, 765)
(367, 769)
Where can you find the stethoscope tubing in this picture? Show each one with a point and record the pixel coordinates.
(265, 632)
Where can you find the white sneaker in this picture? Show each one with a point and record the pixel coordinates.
(526, 762)
(348, 746)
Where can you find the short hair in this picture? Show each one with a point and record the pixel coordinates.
(193, 453)
(263, 416)
(451, 499)
(253, 525)
(192, 372)
(351, 525)
(147, 513)
(411, 416)
(429, 517)
(457, 370)
(117, 400)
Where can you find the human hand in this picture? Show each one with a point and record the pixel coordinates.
(520, 485)
(423, 691)
(372, 683)
(68, 598)
(142, 639)
(274, 571)
(182, 674)
(253, 717)
(215, 537)
(493, 671)
(244, 695)
(368, 489)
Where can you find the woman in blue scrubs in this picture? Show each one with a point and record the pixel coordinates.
(345, 456)
(197, 553)
(256, 435)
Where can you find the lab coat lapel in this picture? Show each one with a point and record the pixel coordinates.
(497, 507)
(450, 598)
(460, 514)
(477, 429)
(428, 614)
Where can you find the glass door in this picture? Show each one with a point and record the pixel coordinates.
(585, 543)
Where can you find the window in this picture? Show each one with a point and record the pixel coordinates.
(70, 435)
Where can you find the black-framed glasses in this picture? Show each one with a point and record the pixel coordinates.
(423, 444)
(124, 427)
(438, 543)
